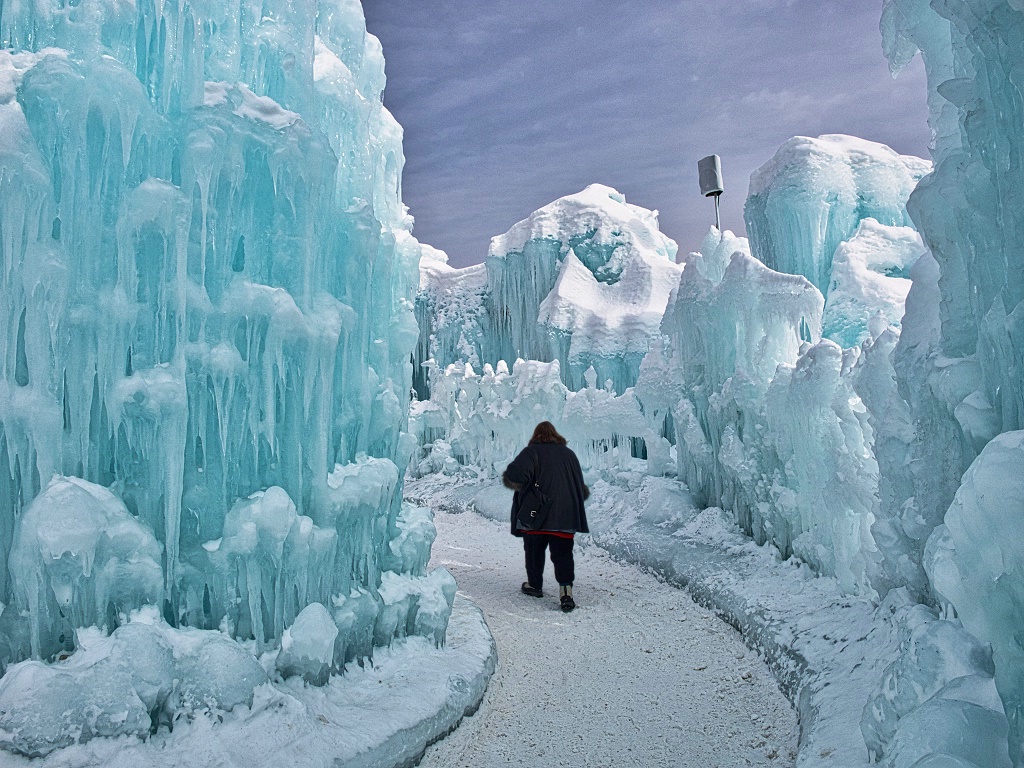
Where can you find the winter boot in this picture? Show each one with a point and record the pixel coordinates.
(565, 597)
(531, 591)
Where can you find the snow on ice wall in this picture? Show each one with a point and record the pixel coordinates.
(584, 281)
(813, 193)
(208, 283)
(869, 282)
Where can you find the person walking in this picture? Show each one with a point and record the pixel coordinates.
(547, 508)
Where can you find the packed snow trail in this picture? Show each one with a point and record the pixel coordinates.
(637, 675)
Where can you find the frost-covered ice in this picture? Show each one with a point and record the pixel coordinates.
(584, 281)
(77, 552)
(975, 561)
(142, 676)
(960, 367)
(937, 698)
(381, 714)
(307, 646)
(208, 316)
(813, 194)
(869, 282)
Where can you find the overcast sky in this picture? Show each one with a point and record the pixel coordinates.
(510, 104)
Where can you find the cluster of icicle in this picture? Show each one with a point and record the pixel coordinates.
(207, 275)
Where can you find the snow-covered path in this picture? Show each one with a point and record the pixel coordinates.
(637, 675)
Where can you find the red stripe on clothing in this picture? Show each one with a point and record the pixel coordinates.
(559, 534)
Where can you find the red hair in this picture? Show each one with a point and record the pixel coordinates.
(545, 432)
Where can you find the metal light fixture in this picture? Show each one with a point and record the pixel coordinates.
(711, 185)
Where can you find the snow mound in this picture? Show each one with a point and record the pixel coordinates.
(307, 646)
(126, 684)
(225, 709)
(584, 281)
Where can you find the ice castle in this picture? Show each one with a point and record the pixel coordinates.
(208, 280)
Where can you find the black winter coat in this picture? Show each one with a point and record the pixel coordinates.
(561, 481)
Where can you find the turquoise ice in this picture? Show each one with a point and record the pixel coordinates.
(208, 280)
(583, 280)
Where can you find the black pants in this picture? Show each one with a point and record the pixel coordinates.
(561, 558)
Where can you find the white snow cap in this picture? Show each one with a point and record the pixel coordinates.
(862, 157)
(598, 209)
(616, 275)
(433, 263)
(813, 193)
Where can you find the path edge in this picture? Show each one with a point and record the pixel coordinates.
(467, 634)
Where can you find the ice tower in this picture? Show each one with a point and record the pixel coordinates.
(812, 195)
(961, 372)
(207, 280)
(584, 281)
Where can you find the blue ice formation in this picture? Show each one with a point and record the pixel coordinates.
(937, 703)
(208, 282)
(765, 418)
(584, 280)
(833, 209)
(974, 559)
(812, 195)
(869, 282)
(960, 371)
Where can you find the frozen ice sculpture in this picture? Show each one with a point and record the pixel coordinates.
(812, 195)
(208, 281)
(584, 280)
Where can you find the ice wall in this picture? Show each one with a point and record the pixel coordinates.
(813, 193)
(957, 365)
(452, 317)
(961, 375)
(765, 419)
(584, 281)
(937, 703)
(976, 561)
(970, 215)
(480, 422)
(208, 281)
